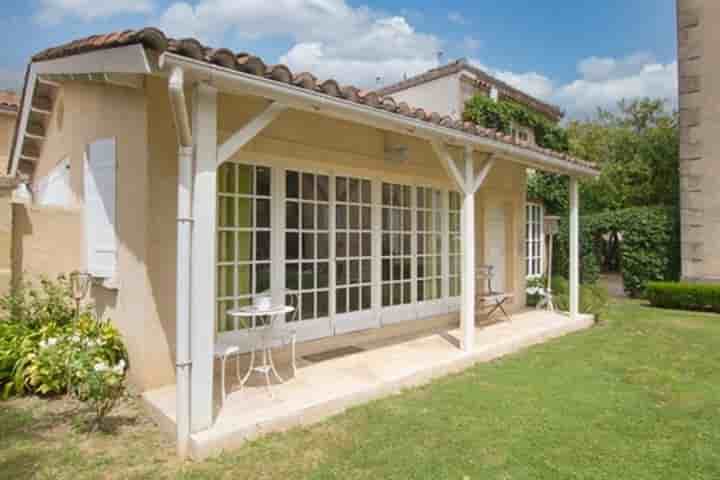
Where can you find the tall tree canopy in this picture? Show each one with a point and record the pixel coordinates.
(636, 149)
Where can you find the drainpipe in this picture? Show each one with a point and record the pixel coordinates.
(183, 363)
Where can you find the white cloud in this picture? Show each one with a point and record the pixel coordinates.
(603, 83)
(457, 18)
(55, 11)
(331, 38)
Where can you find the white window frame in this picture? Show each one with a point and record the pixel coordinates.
(534, 240)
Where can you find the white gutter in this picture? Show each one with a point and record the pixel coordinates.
(183, 362)
(302, 99)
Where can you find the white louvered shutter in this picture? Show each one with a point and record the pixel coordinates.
(100, 208)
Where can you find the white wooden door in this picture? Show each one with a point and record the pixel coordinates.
(495, 244)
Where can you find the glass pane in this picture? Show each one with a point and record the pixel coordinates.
(292, 215)
(323, 275)
(226, 212)
(366, 218)
(244, 213)
(226, 281)
(308, 216)
(323, 217)
(292, 281)
(354, 190)
(323, 304)
(262, 246)
(397, 294)
(341, 189)
(407, 223)
(308, 245)
(226, 178)
(386, 270)
(354, 244)
(406, 268)
(341, 245)
(386, 300)
(308, 276)
(245, 246)
(386, 219)
(366, 298)
(366, 192)
(420, 245)
(226, 247)
(421, 268)
(308, 186)
(386, 244)
(263, 213)
(292, 245)
(406, 196)
(366, 271)
(354, 299)
(354, 217)
(341, 217)
(341, 300)
(406, 293)
(323, 190)
(245, 179)
(366, 245)
(262, 276)
(245, 280)
(421, 290)
(323, 246)
(341, 273)
(308, 305)
(396, 269)
(224, 321)
(354, 272)
(396, 195)
(292, 185)
(386, 194)
(262, 181)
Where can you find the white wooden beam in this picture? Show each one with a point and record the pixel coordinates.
(240, 138)
(467, 309)
(574, 248)
(484, 171)
(448, 163)
(202, 280)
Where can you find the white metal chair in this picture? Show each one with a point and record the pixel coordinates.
(486, 296)
(222, 352)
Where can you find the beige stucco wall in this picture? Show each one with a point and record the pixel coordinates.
(699, 82)
(7, 129)
(441, 95)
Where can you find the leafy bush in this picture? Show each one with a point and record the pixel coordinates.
(649, 250)
(533, 288)
(51, 303)
(684, 296)
(501, 114)
(593, 299)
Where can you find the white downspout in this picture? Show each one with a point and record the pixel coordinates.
(176, 85)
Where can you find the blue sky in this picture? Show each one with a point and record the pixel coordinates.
(579, 55)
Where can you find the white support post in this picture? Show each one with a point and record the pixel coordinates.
(467, 310)
(574, 248)
(203, 256)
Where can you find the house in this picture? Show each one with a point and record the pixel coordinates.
(188, 179)
(446, 89)
(8, 118)
(699, 74)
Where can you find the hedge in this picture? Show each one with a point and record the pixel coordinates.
(684, 296)
(649, 251)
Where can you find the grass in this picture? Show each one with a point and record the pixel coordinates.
(637, 397)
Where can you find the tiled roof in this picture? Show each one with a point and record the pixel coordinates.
(154, 39)
(483, 78)
(9, 100)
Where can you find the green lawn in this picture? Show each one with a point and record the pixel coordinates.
(637, 397)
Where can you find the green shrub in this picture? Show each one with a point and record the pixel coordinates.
(533, 285)
(593, 300)
(649, 250)
(684, 296)
(52, 302)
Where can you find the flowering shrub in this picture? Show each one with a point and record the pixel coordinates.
(96, 382)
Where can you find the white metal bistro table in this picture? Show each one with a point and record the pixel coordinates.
(265, 334)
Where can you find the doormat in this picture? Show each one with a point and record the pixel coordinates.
(330, 354)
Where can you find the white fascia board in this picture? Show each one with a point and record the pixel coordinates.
(130, 59)
(229, 80)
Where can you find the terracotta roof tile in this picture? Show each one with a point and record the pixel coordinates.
(154, 39)
(9, 100)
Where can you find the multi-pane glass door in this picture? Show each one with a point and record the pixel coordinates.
(307, 251)
(353, 254)
(429, 242)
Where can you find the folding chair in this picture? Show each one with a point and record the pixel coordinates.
(487, 296)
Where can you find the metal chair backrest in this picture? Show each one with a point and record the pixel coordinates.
(485, 273)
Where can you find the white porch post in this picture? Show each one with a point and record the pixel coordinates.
(467, 311)
(574, 248)
(203, 256)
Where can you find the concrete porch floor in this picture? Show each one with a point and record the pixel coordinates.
(332, 377)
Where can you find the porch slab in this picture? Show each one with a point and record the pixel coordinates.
(328, 384)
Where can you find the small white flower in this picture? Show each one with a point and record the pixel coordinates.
(75, 338)
(52, 342)
(100, 367)
(42, 344)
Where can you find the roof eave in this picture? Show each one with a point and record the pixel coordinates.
(226, 79)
